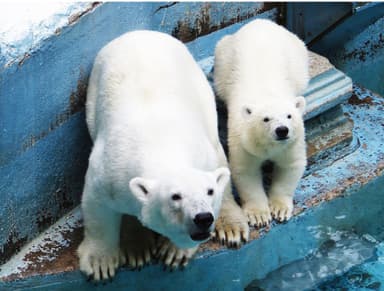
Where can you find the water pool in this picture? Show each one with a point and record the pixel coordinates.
(366, 276)
(345, 261)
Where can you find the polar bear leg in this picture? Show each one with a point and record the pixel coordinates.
(172, 256)
(99, 252)
(253, 197)
(231, 226)
(284, 183)
(137, 242)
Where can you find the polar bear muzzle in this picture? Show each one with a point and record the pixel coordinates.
(203, 221)
(282, 132)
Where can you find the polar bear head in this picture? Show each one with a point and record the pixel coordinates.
(272, 124)
(182, 205)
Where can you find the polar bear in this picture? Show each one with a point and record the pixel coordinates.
(260, 72)
(156, 155)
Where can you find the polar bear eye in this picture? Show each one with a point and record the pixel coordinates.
(266, 119)
(176, 197)
(210, 192)
(289, 116)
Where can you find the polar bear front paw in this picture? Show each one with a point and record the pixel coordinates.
(258, 214)
(231, 227)
(138, 243)
(138, 254)
(97, 261)
(171, 255)
(281, 207)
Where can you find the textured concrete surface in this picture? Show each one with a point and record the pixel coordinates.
(318, 64)
(362, 58)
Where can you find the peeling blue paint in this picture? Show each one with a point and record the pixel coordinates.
(362, 57)
(43, 183)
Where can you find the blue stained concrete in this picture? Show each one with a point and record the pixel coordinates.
(205, 46)
(362, 57)
(309, 20)
(38, 186)
(348, 29)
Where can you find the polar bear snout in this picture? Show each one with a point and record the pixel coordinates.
(203, 220)
(282, 133)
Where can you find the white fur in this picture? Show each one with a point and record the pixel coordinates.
(260, 72)
(152, 117)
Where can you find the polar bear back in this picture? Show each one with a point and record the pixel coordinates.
(261, 55)
(141, 80)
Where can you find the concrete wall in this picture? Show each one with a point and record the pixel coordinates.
(44, 144)
(362, 57)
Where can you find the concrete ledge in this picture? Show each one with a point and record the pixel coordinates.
(337, 196)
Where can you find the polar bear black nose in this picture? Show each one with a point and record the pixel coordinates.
(203, 220)
(282, 132)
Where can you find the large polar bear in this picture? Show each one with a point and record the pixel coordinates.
(156, 155)
(260, 72)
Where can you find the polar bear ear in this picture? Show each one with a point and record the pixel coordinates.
(222, 176)
(141, 188)
(300, 104)
(246, 111)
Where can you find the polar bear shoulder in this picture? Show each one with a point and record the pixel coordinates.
(262, 52)
(143, 68)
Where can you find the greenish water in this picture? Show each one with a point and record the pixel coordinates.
(366, 276)
(345, 261)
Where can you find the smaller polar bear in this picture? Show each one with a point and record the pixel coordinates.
(156, 155)
(260, 72)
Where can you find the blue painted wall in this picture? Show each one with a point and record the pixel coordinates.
(44, 144)
(362, 57)
(356, 45)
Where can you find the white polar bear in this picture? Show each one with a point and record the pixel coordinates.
(260, 72)
(156, 154)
